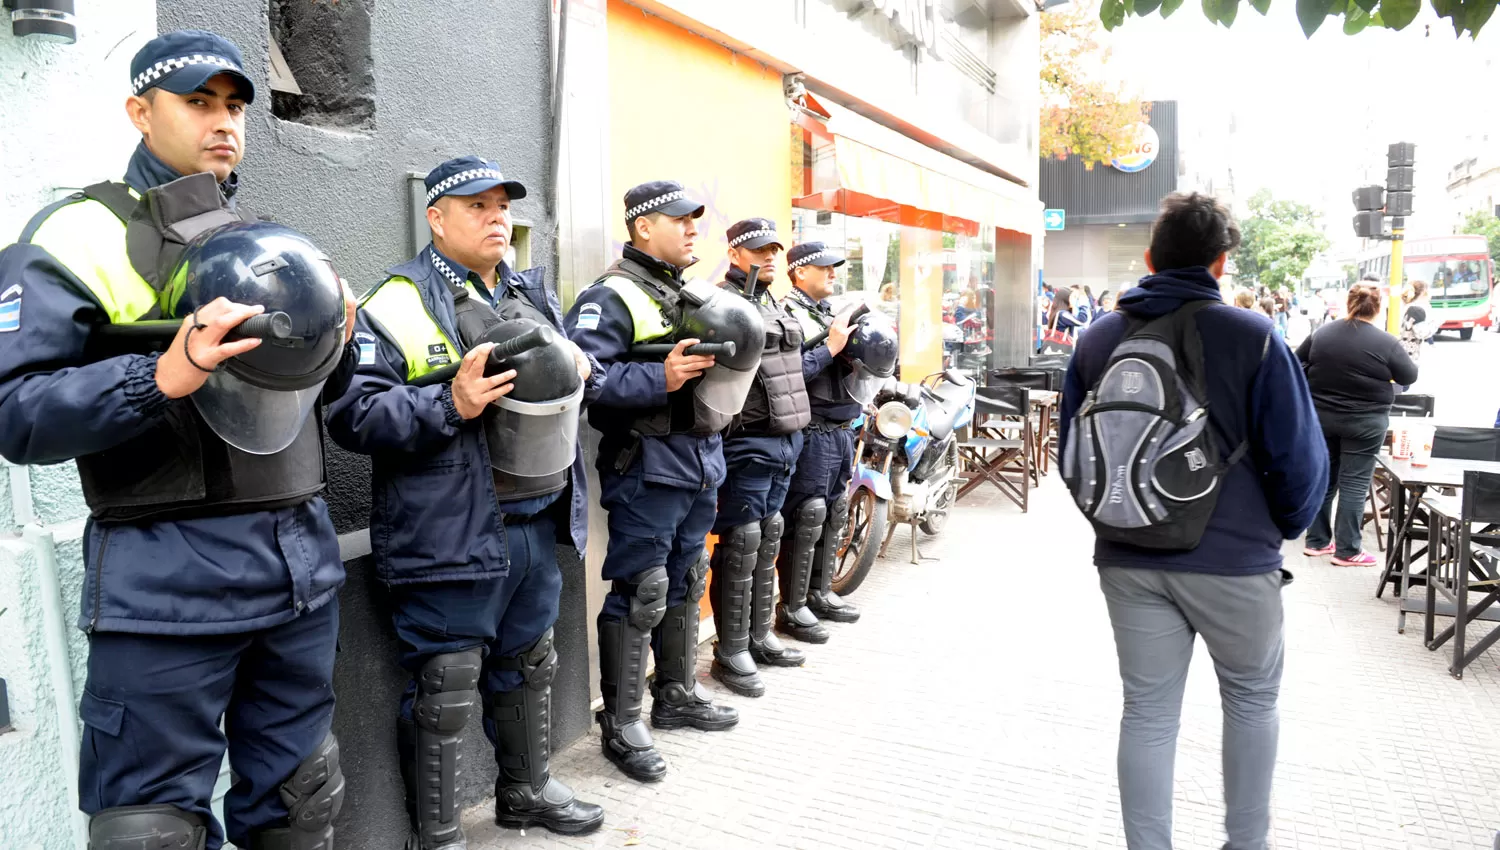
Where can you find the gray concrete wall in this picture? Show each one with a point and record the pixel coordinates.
(448, 79)
(45, 152)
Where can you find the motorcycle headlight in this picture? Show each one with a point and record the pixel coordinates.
(893, 420)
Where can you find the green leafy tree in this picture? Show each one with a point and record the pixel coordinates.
(1351, 274)
(1278, 242)
(1465, 15)
(1485, 224)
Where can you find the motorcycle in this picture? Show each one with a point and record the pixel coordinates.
(906, 469)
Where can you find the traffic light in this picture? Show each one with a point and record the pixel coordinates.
(1400, 178)
(1369, 221)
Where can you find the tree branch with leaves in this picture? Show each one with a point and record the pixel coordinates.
(1465, 15)
(1082, 114)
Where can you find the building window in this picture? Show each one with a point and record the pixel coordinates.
(321, 64)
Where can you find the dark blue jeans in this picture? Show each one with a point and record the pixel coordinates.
(501, 616)
(151, 710)
(1353, 441)
(652, 525)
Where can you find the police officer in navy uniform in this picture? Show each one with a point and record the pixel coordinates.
(466, 542)
(817, 502)
(760, 451)
(660, 466)
(212, 567)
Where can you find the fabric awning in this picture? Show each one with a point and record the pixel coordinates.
(874, 172)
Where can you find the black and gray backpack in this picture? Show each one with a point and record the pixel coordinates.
(1143, 461)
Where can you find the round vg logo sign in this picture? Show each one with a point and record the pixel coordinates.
(1141, 151)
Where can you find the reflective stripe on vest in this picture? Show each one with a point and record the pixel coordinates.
(89, 240)
(810, 325)
(645, 313)
(398, 306)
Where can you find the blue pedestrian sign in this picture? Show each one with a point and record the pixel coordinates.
(1054, 219)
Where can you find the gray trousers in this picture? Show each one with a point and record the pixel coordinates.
(1155, 614)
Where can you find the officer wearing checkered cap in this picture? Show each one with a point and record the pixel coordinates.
(817, 503)
(469, 552)
(760, 451)
(660, 465)
(197, 607)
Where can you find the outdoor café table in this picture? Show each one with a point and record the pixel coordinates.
(1044, 401)
(1409, 484)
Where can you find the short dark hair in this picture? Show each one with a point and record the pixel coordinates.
(1192, 230)
(630, 224)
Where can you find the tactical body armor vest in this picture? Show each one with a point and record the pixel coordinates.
(178, 468)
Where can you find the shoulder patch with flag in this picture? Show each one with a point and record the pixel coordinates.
(366, 343)
(588, 316)
(10, 308)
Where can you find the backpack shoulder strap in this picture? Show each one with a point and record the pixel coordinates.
(115, 196)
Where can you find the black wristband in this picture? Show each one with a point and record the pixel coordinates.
(187, 350)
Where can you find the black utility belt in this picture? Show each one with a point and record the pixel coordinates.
(824, 426)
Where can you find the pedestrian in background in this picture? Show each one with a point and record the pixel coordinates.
(1106, 302)
(1416, 325)
(1244, 299)
(1352, 367)
(1227, 588)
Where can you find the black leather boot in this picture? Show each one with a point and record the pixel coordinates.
(677, 698)
(793, 618)
(729, 594)
(826, 604)
(430, 749)
(623, 644)
(526, 794)
(765, 647)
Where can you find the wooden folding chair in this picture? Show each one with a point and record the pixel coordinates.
(1000, 450)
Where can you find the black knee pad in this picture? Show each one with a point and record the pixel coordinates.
(771, 527)
(697, 578)
(134, 827)
(313, 795)
(537, 663)
(648, 598)
(445, 691)
(740, 541)
(811, 514)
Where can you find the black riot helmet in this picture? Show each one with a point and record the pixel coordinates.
(871, 354)
(533, 431)
(259, 400)
(713, 314)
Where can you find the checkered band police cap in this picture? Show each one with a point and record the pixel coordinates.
(468, 175)
(753, 233)
(813, 254)
(183, 61)
(661, 196)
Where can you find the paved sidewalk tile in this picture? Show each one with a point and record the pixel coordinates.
(976, 705)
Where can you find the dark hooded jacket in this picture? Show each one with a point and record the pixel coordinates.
(1256, 392)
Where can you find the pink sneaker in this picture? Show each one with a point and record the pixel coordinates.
(1318, 553)
(1363, 559)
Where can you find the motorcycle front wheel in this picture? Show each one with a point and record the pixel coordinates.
(937, 519)
(862, 535)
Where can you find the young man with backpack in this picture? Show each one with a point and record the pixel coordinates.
(1191, 444)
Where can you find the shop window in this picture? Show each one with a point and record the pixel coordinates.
(322, 71)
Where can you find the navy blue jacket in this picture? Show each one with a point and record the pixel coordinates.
(1256, 391)
(676, 460)
(434, 514)
(215, 575)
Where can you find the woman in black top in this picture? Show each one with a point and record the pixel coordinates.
(1353, 368)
